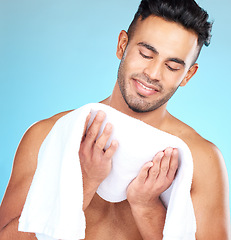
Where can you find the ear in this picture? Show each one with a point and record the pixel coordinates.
(191, 72)
(122, 43)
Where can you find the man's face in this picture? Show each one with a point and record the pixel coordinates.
(155, 62)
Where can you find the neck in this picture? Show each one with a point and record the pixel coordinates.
(156, 118)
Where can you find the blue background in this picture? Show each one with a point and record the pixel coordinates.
(59, 55)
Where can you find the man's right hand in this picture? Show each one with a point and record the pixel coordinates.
(94, 159)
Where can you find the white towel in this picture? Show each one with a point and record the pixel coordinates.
(53, 208)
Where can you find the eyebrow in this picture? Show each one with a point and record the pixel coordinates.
(151, 48)
(177, 60)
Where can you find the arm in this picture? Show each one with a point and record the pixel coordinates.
(95, 164)
(210, 193)
(10, 232)
(144, 191)
(95, 161)
(24, 167)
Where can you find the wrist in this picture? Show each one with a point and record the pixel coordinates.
(150, 219)
(147, 210)
(89, 191)
(144, 203)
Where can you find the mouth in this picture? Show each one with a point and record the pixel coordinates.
(144, 88)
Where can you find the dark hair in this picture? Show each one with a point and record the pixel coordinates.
(185, 12)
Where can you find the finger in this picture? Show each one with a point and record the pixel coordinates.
(173, 166)
(93, 130)
(111, 150)
(144, 172)
(102, 140)
(85, 126)
(164, 165)
(155, 170)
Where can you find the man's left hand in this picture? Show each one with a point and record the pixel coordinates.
(154, 178)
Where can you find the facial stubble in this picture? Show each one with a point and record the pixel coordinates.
(140, 103)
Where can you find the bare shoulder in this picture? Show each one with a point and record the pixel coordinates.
(35, 135)
(209, 191)
(207, 158)
(24, 166)
(203, 151)
(31, 141)
(209, 164)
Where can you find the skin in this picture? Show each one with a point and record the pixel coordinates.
(142, 215)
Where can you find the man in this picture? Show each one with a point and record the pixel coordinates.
(158, 54)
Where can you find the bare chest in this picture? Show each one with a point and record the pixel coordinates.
(110, 221)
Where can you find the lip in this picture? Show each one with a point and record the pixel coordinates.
(144, 88)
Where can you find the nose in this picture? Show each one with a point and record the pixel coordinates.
(154, 69)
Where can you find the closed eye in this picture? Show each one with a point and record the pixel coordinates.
(145, 56)
(172, 69)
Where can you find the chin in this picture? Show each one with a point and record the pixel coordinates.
(139, 107)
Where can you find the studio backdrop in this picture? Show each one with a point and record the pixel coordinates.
(59, 55)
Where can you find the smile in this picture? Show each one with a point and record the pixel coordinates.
(145, 86)
(144, 90)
